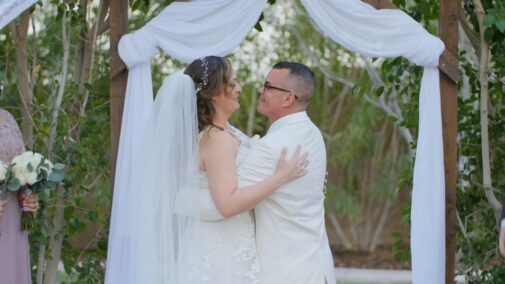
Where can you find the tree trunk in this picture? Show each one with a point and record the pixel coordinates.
(79, 47)
(338, 230)
(89, 54)
(251, 115)
(19, 34)
(56, 237)
(484, 120)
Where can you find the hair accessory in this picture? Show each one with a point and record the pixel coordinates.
(205, 76)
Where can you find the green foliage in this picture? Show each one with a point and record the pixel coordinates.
(477, 236)
(398, 247)
(86, 193)
(258, 26)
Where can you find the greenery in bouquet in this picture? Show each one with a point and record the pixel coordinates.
(38, 175)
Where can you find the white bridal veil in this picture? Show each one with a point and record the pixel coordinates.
(150, 232)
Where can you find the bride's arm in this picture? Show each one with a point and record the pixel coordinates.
(219, 160)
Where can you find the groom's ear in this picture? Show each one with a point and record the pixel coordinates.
(288, 101)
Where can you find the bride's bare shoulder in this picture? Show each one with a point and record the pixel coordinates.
(216, 137)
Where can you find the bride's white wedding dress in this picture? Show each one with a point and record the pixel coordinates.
(165, 227)
(227, 254)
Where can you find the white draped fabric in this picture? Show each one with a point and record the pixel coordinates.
(391, 33)
(10, 9)
(187, 31)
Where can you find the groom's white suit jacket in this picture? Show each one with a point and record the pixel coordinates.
(291, 236)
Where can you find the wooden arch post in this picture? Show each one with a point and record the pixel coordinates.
(448, 88)
(449, 98)
(118, 77)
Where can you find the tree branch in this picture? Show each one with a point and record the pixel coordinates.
(472, 36)
(61, 87)
(19, 34)
(484, 119)
(79, 47)
(89, 54)
(391, 108)
(338, 230)
(56, 239)
(328, 73)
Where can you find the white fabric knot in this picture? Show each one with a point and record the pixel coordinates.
(137, 47)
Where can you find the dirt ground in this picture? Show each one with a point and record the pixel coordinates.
(381, 258)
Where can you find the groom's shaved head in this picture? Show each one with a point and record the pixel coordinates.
(301, 79)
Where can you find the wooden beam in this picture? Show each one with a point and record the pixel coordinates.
(118, 27)
(449, 10)
(448, 62)
(117, 65)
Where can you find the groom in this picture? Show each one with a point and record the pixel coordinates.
(291, 236)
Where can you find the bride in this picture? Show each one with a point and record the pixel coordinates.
(183, 218)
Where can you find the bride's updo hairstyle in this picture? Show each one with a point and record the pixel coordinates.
(211, 74)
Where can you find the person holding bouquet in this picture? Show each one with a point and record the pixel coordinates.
(14, 248)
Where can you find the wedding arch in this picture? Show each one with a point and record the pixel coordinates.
(187, 30)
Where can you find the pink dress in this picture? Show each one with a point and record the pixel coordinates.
(14, 249)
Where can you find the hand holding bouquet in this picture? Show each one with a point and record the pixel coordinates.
(38, 174)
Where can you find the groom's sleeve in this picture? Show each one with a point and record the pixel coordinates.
(259, 164)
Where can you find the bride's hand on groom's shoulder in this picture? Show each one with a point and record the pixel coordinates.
(293, 168)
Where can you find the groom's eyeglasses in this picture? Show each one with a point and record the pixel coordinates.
(267, 86)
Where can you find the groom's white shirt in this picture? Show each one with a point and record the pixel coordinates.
(291, 236)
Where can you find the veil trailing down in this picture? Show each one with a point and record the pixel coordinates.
(150, 225)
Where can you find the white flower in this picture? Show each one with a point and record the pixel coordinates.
(31, 178)
(27, 167)
(37, 158)
(255, 139)
(21, 170)
(47, 167)
(3, 171)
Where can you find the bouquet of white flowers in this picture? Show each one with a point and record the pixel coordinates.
(38, 174)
